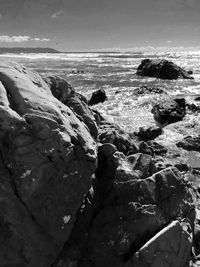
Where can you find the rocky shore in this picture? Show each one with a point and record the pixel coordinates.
(78, 191)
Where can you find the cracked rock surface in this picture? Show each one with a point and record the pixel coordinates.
(47, 159)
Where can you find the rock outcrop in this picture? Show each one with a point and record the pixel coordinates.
(162, 69)
(131, 203)
(98, 96)
(190, 143)
(47, 159)
(169, 111)
(77, 190)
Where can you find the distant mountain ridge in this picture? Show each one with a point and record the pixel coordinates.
(18, 50)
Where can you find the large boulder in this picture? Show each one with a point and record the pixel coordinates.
(170, 247)
(46, 164)
(162, 69)
(169, 111)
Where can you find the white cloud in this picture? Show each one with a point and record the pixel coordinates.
(57, 14)
(169, 42)
(21, 39)
(1, 16)
(36, 39)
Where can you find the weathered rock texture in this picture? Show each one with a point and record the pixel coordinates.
(162, 69)
(131, 202)
(165, 248)
(169, 111)
(65, 93)
(47, 159)
(59, 208)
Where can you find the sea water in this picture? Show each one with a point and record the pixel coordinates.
(115, 72)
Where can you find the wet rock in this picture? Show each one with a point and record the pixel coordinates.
(190, 143)
(197, 98)
(193, 107)
(148, 133)
(146, 90)
(98, 96)
(170, 247)
(65, 93)
(47, 160)
(162, 69)
(169, 111)
(113, 134)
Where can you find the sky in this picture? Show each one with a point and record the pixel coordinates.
(87, 25)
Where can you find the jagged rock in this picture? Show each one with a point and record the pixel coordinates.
(171, 247)
(47, 159)
(98, 96)
(162, 69)
(113, 134)
(64, 92)
(129, 206)
(169, 111)
(146, 90)
(148, 133)
(190, 143)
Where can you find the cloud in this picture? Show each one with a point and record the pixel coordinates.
(169, 42)
(1, 16)
(57, 14)
(21, 39)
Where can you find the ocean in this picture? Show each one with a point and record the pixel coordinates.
(115, 72)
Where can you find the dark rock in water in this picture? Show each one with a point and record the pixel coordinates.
(98, 96)
(148, 133)
(47, 161)
(161, 69)
(193, 107)
(197, 98)
(169, 111)
(146, 90)
(190, 72)
(190, 143)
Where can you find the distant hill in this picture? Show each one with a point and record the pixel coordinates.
(18, 50)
